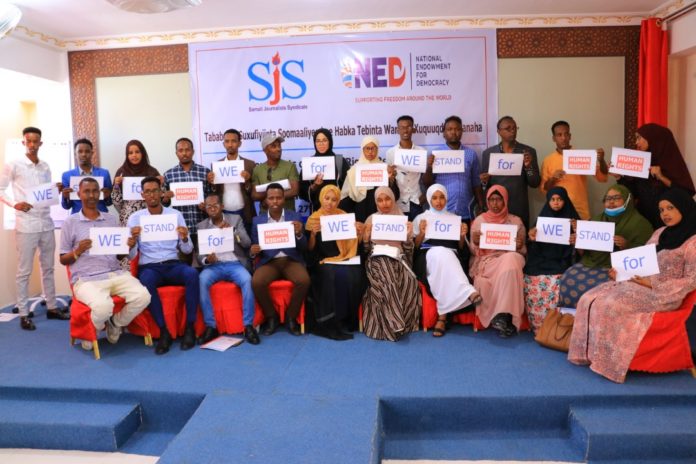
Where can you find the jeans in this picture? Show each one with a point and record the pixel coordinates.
(230, 271)
(162, 274)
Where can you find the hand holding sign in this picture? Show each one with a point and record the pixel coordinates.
(448, 161)
(43, 195)
(553, 230)
(632, 163)
(276, 235)
(215, 240)
(228, 172)
(506, 164)
(443, 227)
(109, 240)
(315, 165)
(411, 160)
(187, 193)
(389, 227)
(638, 261)
(131, 188)
(338, 227)
(580, 162)
(371, 175)
(595, 235)
(498, 236)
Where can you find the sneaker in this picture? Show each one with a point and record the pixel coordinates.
(113, 332)
(86, 345)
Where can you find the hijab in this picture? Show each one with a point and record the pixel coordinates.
(395, 210)
(432, 211)
(674, 236)
(142, 169)
(329, 137)
(666, 154)
(497, 218)
(358, 194)
(346, 248)
(568, 211)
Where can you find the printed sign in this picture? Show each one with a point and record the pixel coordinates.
(338, 227)
(285, 183)
(75, 185)
(389, 227)
(581, 162)
(158, 227)
(448, 161)
(632, 163)
(215, 240)
(553, 230)
(639, 261)
(228, 172)
(411, 160)
(595, 235)
(43, 195)
(498, 237)
(109, 240)
(371, 175)
(505, 164)
(443, 226)
(276, 235)
(131, 188)
(314, 165)
(187, 193)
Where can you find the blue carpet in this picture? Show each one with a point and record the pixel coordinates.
(305, 399)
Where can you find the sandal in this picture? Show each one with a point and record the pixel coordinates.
(440, 328)
(476, 298)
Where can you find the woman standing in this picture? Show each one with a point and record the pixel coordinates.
(310, 189)
(136, 164)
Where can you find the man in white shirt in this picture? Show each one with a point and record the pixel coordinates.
(411, 197)
(33, 226)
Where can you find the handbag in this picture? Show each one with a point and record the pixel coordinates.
(555, 331)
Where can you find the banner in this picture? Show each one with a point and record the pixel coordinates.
(158, 227)
(505, 164)
(338, 227)
(215, 240)
(448, 161)
(630, 162)
(187, 193)
(315, 165)
(109, 240)
(595, 235)
(498, 236)
(354, 85)
(553, 230)
(131, 188)
(43, 195)
(389, 227)
(639, 261)
(276, 235)
(442, 226)
(580, 162)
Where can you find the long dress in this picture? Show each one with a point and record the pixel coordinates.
(393, 302)
(612, 319)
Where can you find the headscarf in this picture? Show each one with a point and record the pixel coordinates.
(142, 169)
(328, 135)
(674, 236)
(630, 224)
(666, 154)
(568, 211)
(346, 248)
(358, 194)
(499, 218)
(432, 211)
(395, 210)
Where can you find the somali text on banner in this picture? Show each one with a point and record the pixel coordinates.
(109, 240)
(639, 261)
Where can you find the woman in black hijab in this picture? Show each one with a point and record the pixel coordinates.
(323, 146)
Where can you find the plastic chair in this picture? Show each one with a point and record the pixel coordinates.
(280, 291)
(226, 298)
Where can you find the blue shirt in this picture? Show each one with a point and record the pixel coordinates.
(76, 205)
(165, 250)
(460, 186)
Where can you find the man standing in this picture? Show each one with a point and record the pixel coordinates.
(33, 227)
(96, 278)
(228, 266)
(552, 173)
(411, 197)
(275, 170)
(83, 158)
(516, 185)
(159, 264)
(236, 197)
(463, 188)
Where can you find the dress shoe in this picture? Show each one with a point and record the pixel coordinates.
(189, 340)
(26, 323)
(164, 342)
(57, 314)
(210, 333)
(251, 335)
(271, 326)
(293, 327)
(113, 332)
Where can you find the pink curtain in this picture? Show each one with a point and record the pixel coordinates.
(652, 73)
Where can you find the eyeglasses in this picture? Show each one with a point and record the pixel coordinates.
(212, 206)
(613, 198)
(372, 148)
(269, 175)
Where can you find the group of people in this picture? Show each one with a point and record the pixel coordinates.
(338, 278)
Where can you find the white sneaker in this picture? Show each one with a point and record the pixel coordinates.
(113, 332)
(86, 345)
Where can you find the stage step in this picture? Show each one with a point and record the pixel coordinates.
(664, 432)
(70, 425)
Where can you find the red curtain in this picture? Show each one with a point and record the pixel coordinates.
(652, 73)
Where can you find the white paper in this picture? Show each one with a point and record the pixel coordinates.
(632, 163)
(158, 227)
(338, 227)
(75, 185)
(276, 235)
(215, 240)
(498, 237)
(581, 162)
(222, 343)
(7, 317)
(313, 165)
(639, 261)
(43, 195)
(411, 160)
(187, 193)
(285, 183)
(371, 175)
(595, 235)
(228, 172)
(386, 250)
(443, 226)
(389, 227)
(131, 188)
(553, 230)
(355, 260)
(448, 161)
(505, 164)
(109, 240)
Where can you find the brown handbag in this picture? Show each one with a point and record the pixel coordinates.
(555, 331)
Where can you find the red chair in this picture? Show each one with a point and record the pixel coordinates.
(665, 346)
(226, 298)
(280, 291)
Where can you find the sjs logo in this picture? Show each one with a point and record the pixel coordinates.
(278, 83)
(380, 71)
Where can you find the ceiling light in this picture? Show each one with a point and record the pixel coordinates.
(9, 17)
(153, 6)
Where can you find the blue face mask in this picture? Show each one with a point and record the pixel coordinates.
(613, 212)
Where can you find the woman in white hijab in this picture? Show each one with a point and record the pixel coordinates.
(440, 262)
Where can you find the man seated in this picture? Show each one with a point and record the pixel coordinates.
(226, 266)
(284, 263)
(96, 278)
(159, 264)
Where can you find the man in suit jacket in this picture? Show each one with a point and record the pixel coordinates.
(84, 152)
(284, 263)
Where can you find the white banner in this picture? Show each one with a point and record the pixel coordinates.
(314, 165)
(498, 237)
(581, 162)
(443, 226)
(639, 261)
(389, 227)
(411, 160)
(75, 185)
(285, 183)
(354, 85)
(43, 195)
(553, 230)
(228, 172)
(595, 235)
(187, 193)
(371, 175)
(158, 227)
(447, 161)
(215, 240)
(109, 240)
(632, 163)
(505, 164)
(276, 235)
(131, 188)
(338, 227)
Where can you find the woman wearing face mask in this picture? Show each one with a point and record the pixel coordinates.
(546, 262)
(631, 230)
(612, 319)
(440, 264)
(323, 146)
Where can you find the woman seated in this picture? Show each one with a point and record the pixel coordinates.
(546, 262)
(361, 200)
(631, 230)
(497, 274)
(392, 302)
(612, 319)
(336, 289)
(439, 264)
